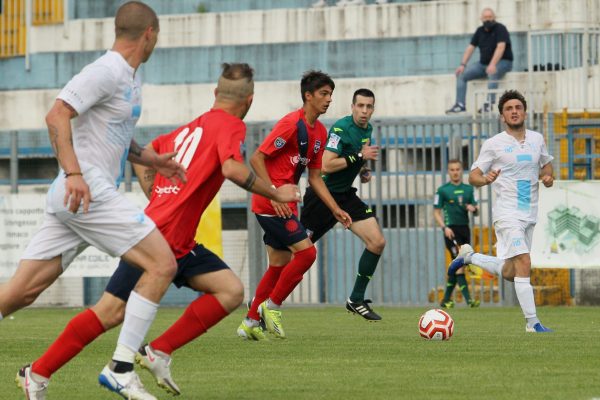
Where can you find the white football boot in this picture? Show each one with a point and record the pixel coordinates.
(159, 367)
(127, 384)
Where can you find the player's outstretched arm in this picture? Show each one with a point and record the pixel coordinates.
(58, 121)
(245, 178)
(316, 183)
(164, 163)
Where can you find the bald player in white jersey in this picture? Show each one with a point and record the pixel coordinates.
(83, 204)
(513, 162)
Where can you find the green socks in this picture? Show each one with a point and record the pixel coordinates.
(464, 288)
(366, 267)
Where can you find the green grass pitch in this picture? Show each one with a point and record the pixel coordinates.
(330, 354)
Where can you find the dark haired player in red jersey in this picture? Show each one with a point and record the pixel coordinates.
(209, 147)
(296, 142)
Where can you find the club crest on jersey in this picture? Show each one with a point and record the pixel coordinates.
(279, 142)
(317, 146)
(334, 140)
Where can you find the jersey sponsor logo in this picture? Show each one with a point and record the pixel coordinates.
(279, 142)
(173, 189)
(317, 146)
(334, 140)
(336, 129)
(297, 159)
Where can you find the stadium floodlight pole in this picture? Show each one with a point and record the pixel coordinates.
(28, 12)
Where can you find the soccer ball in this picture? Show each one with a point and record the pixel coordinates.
(436, 324)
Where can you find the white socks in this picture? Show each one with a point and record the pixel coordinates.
(526, 300)
(139, 314)
(489, 263)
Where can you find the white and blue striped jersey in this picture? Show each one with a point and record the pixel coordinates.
(516, 188)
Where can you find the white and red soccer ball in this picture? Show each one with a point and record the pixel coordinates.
(436, 324)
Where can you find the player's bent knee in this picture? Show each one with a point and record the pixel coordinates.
(311, 253)
(376, 245)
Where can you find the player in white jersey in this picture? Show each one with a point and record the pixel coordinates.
(83, 205)
(513, 162)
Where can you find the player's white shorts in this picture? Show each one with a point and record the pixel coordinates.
(514, 237)
(113, 226)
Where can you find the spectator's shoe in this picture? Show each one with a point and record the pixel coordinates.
(447, 304)
(32, 389)
(474, 303)
(456, 109)
(126, 385)
(537, 328)
(159, 367)
(363, 309)
(251, 333)
(464, 257)
(486, 108)
(272, 320)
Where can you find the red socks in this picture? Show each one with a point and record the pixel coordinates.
(79, 332)
(198, 317)
(292, 274)
(264, 288)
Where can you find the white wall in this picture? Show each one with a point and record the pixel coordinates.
(432, 18)
(396, 97)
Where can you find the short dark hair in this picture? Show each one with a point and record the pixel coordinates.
(363, 92)
(454, 161)
(511, 95)
(235, 71)
(133, 18)
(313, 80)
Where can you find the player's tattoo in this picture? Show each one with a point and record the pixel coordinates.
(53, 133)
(135, 149)
(249, 181)
(149, 175)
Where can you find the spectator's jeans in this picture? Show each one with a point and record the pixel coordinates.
(477, 71)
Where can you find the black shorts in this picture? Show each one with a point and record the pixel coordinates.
(280, 233)
(318, 219)
(462, 235)
(198, 261)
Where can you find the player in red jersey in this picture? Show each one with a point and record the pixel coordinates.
(209, 147)
(296, 142)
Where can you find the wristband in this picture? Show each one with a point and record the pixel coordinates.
(68, 174)
(444, 228)
(463, 64)
(353, 158)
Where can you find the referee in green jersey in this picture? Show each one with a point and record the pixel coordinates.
(348, 148)
(453, 202)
